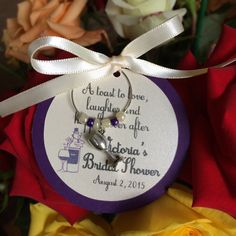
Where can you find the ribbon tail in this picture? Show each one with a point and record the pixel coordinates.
(36, 94)
(149, 69)
(50, 89)
(153, 38)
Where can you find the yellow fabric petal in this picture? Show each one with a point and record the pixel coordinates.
(220, 218)
(47, 222)
(173, 215)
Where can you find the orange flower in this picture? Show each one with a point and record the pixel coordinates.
(36, 18)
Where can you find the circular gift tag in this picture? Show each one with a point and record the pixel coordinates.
(153, 141)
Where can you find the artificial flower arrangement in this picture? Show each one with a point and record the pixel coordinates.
(202, 199)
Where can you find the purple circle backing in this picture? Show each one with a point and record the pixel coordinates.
(113, 206)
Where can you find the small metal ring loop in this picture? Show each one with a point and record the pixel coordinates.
(130, 94)
(97, 138)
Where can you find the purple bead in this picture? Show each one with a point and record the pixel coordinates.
(114, 121)
(90, 122)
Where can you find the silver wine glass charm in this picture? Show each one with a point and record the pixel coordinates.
(99, 141)
(97, 126)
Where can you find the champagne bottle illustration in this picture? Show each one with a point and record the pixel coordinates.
(70, 154)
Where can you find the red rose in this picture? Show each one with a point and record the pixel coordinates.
(6, 162)
(28, 180)
(211, 104)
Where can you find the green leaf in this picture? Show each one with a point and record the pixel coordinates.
(23, 216)
(191, 4)
(3, 187)
(4, 202)
(108, 217)
(6, 175)
(232, 23)
(210, 32)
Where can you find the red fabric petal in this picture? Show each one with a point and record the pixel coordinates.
(28, 180)
(211, 105)
(209, 186)
(225, 48)
(100, 4)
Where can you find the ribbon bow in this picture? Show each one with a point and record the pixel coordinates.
(89, 65)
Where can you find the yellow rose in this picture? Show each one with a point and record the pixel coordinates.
(132, 18)
(47, 222)
(36, 18)
(172, 215)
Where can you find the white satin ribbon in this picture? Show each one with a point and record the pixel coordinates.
(89, 65)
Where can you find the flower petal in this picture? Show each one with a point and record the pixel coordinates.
(13, 27)
(24, 9)
(92, 37)
(33, 33)
(46, 221)
(172, 215)
(37, 4)
(20, 54)
(42, 13)
(74, 11)
(59, 12)
(70, 32)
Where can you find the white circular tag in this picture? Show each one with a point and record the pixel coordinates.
(152, 140)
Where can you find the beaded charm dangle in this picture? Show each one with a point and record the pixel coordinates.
(97, 138)
(97, 124)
